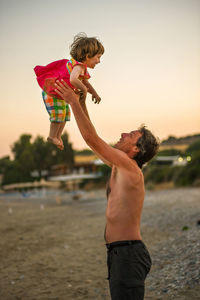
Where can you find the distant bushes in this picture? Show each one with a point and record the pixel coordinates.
(190, 174)
(170, 152)
(194, 148)
(159, 174)
(179, 175)
(33, 156)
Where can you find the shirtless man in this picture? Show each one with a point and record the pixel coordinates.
(127, 257)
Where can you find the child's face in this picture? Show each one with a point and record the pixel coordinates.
(91, 62)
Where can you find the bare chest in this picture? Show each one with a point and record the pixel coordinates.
(123, 195)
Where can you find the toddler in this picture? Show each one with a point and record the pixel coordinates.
(86, 53)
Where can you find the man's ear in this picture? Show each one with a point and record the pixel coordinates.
(136, 149)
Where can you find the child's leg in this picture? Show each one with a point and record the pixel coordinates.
(59, 113)
(59, 133)
(54, 128)
(65, 116)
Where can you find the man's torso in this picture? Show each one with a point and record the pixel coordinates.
(125, 201)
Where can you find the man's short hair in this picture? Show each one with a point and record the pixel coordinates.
(148, 145)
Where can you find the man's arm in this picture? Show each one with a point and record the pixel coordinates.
(84, 108)
(107, 153)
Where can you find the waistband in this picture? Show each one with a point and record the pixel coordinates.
(110, 246)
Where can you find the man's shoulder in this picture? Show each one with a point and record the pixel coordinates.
(131, 165)
(133, 172)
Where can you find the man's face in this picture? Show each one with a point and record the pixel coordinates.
(128, 140)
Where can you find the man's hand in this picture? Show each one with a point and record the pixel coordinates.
(66, 92)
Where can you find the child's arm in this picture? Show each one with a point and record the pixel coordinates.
(76, 72)
(92, 91)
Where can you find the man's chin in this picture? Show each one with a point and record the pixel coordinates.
(116, 145)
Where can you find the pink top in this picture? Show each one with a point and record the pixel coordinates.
(57, 70)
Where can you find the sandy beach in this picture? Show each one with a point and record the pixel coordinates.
(57, 252)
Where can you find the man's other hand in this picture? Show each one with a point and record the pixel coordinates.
(65, 92)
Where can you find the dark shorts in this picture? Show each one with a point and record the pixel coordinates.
(128, 262)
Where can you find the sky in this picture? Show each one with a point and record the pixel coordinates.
(149, 73)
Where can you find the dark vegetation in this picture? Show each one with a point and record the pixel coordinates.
(188, 174)
(33, 159)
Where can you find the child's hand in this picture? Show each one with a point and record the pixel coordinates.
(96, 98)
(82, 97)
(82, 93)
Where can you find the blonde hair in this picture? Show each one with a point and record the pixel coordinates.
(83, 46)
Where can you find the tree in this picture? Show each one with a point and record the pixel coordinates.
(194, 147)
(170, 152)
(67, 156)
(46, 154)
(14, 173)
(19, 146)
(190, 173)
(85, 152)
(20, 169)
(4, 163)
(34, 156)
(40, 150)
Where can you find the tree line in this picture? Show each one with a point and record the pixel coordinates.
(32, 158)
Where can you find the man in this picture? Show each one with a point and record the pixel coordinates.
(128, 259)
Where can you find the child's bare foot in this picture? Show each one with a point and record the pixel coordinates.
(61, 146)
(54, 140)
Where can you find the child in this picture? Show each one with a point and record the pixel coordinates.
(86, 53)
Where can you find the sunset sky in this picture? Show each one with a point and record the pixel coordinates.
(150, 72)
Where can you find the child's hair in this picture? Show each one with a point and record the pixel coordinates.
(83, 46)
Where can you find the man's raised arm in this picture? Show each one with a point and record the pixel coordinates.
(107, 153)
